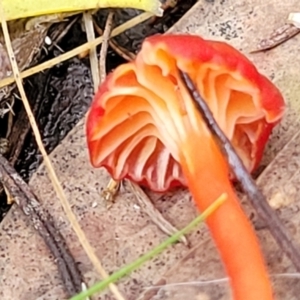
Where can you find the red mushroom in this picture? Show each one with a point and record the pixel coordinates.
(143, 125)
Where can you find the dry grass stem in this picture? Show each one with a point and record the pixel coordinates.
(90, 34)
(55, 182)
(77, 51)
(104, 46)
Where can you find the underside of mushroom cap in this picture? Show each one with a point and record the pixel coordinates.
(142, 114)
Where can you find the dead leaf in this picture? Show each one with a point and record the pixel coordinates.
(123, 233)
(277, 37)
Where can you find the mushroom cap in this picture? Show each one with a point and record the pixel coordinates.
(142, 113)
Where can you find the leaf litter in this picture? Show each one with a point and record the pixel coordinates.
(125, 227)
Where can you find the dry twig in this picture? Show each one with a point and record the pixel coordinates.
(256, 197)
(104, 46)
(153, 213)
(124, 53)
(42, 221)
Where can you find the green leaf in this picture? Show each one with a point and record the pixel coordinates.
(17, 9)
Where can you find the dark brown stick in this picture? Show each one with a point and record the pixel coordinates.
(121, 51)
(43, 223)
(256, 197)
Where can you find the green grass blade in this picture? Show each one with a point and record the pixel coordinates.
(100, 286)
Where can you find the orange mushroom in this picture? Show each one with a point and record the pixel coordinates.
(143, 125)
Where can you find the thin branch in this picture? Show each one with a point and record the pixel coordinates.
(154, 214)
(121, 51)
(104, 46)
(42, 221)
(256, 197)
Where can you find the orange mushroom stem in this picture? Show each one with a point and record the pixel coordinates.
(143, 125)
